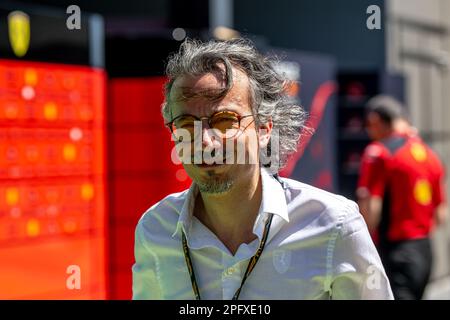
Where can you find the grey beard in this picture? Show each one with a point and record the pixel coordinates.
(215, 186)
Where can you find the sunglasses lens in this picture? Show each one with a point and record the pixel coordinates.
(224, 121)
(183, 128)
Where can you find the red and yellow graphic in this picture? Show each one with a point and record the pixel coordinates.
(52, 180)
(423, 192)
(19, 32)
(418, 152)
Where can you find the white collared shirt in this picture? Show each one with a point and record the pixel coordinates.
(318, 248)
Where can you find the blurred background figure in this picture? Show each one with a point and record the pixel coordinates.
(401, 196)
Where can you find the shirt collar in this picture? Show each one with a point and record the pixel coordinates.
(273, 196)
(273, 201)
(185, 219)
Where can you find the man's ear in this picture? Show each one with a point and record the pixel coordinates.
(265, 131)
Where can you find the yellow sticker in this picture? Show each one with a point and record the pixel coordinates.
(87, 191)
(422, 192)
(30, 77)
(50, 111)
(33, 227)
(418, 152)
(12, 196)
(69, 152)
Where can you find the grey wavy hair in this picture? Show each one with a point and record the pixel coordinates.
(269, 99)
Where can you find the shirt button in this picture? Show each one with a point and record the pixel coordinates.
(230, 271)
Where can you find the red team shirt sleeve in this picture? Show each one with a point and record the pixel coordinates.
(372, 177)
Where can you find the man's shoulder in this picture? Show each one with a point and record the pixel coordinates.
(325, 202)
(375, 150)
(433, 157)
(321, 210)
(164, 212)
(329, 210)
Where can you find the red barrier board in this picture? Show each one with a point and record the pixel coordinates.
(141, 171)
(52, 181)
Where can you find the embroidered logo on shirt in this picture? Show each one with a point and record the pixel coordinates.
(281, 260)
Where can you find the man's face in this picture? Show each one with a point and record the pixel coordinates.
(376, 128)
(218, 178)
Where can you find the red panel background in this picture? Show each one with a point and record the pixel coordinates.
(141, 171)
(52, 180)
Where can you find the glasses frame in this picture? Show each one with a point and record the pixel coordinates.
(238, 116)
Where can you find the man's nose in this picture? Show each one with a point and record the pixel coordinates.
(209, 136)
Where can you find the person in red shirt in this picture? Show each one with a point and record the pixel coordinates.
(401, 196)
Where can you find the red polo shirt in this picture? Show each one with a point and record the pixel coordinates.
(409, 176)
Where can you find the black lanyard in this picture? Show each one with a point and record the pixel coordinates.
(250, 267)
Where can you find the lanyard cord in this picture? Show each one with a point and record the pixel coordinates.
(250, 267)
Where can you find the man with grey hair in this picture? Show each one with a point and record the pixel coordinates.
(241, 231)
